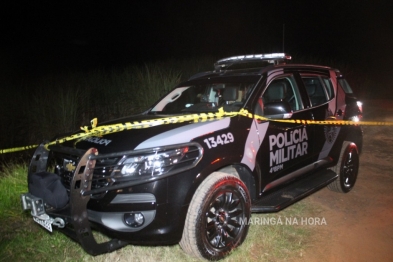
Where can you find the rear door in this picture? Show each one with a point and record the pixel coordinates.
(323, 106)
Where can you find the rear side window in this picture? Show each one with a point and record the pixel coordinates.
(329, 87)
(345, 86)
(315, 90)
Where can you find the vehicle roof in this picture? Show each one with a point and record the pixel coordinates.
(256, 70)
(254, 65)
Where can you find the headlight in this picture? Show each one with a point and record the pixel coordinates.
(157, 162)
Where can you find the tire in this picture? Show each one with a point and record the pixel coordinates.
(346, 168)
(217, 218)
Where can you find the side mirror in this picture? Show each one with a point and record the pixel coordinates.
(278, 110)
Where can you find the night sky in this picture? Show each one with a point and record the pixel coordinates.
(42, 36)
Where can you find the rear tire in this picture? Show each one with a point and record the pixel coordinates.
(217, 218)
(346, 168)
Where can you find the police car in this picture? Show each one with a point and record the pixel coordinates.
(256, 134)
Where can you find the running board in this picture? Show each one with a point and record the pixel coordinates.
(292, 193)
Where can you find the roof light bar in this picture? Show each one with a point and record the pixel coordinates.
(273, 58)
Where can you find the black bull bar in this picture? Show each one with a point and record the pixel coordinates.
(75, 215)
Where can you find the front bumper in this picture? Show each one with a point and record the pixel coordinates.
(75, 216)
(142, 211)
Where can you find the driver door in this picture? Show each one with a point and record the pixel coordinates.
(285, 147)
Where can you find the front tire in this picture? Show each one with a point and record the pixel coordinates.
(346, 168)
(217, 218)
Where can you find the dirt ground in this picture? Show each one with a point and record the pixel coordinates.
(360, 223)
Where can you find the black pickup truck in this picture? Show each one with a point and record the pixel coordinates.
(193, 167)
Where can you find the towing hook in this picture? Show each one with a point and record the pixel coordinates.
(59, 222)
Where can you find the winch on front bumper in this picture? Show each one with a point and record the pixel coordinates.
(74, 214)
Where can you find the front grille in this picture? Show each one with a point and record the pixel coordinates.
(102, 171)
(62, 163)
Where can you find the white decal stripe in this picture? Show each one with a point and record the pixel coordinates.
(328, 145)
(254, 140)
(273, 74)
(185, 134)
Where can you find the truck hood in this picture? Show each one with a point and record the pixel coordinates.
(147, 137)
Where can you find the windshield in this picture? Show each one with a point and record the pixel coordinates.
(204, 98)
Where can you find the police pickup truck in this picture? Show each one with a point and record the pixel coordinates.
(247, 137)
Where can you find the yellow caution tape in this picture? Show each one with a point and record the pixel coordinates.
(16, 149)
(335, 122)
(93, 123)
(108, 129)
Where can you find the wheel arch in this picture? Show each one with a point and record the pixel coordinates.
(250, 179)
(356, 136)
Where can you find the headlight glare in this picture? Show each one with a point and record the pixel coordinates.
(154, 164)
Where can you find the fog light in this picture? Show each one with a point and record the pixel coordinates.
(134, 219)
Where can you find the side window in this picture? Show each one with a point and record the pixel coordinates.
(345, 86)
(283, 89)
(315, 90)
(329, 87)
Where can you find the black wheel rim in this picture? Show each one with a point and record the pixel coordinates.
(350, 169)
(224, 219)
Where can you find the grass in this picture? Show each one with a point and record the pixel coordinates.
(21, 239)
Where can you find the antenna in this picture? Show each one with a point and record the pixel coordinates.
(283, 37)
